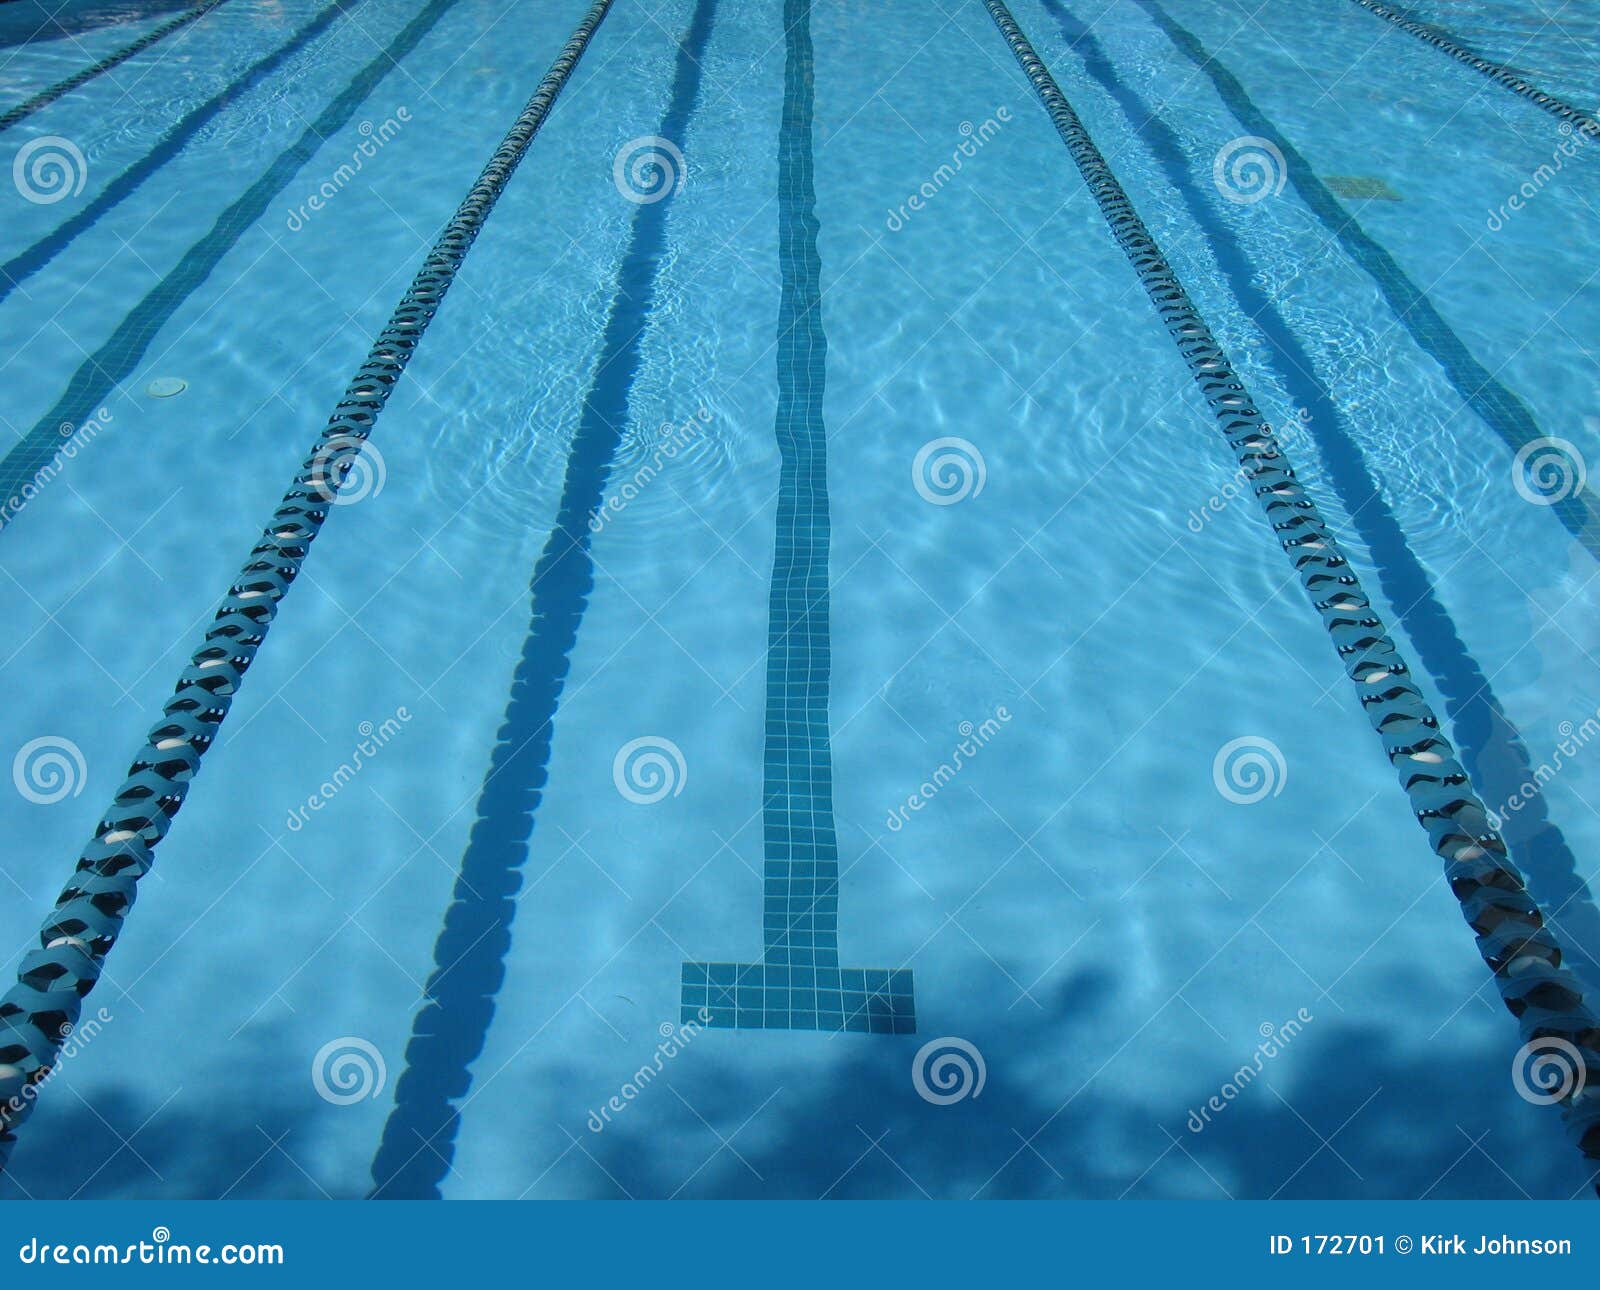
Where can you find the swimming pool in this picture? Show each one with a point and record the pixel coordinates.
(795, 695)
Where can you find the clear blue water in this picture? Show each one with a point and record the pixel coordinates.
(1079, 902)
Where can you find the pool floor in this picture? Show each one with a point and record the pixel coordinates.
(793, 599)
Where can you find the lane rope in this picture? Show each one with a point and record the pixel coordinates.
(1442, 40)
(21, 266)
(48, 96)
(38, 1013)
(1519, 950)
(34, 460)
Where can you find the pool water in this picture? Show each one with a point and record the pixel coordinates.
(797, 505)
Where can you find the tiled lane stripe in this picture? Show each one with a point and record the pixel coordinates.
(30, 261)
(1491, 746)
(1520, 952)
(448, 1033)
(32, 456)
(1500, 409)
(799, 984)
(1442, 40)
(48, 96)
(37, 1013)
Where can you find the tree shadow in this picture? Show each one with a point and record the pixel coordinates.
(1345, 1111)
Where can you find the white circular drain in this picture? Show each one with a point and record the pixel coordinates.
(164, 387)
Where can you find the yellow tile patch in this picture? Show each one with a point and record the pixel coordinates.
(1361, 187)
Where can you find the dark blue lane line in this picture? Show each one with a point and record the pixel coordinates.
(1497, 406)
(469, 956)
(122, 352)
(48, 96)
(799, 985)
(1490, 746)
(28, 262)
